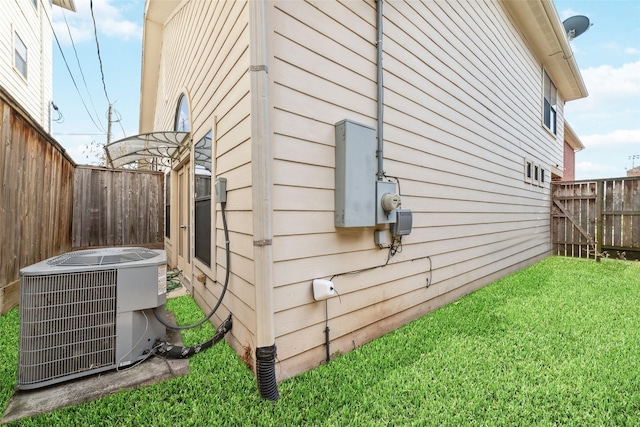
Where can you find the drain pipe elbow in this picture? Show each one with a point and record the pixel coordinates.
(266, 372)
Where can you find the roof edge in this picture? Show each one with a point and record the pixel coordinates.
(571, 138)
(540, 25)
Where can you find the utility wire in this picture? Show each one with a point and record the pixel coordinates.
(119, 121)
(73, 79)
(80, 68)
(50, 21)
(95, 33)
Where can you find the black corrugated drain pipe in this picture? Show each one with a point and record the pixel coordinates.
(266, 372)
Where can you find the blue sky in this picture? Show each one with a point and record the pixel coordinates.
(608, 54)
(119, 27)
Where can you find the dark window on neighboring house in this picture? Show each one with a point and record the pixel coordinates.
(202, 182)
(167, 205)
(550, 101)
(20, 55)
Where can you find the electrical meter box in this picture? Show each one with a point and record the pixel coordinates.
(387, 202)
(355, 175)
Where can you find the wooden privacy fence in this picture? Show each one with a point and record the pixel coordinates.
(49, 206)
(596, 218)
(35, 197)
(117, 207)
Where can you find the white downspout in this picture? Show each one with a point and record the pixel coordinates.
(261, 198)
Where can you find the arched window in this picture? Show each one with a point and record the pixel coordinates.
(182, 115)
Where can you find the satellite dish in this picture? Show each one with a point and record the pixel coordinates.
(576, 25)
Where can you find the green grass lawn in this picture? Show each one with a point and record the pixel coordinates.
(557, 343)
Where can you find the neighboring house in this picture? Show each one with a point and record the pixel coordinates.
(473, 128)
(572, 144)
(26, 57)
(36, 172)
(634, 171)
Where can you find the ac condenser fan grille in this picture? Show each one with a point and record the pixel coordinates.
(102, 257)
(68, 325)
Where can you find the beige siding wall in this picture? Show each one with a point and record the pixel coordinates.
(205, 55)
(463, 109)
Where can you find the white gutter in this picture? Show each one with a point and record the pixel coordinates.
(567, 52)
(540, 25)
(261, 174)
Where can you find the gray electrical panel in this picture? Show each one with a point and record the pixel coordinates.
(355, 195)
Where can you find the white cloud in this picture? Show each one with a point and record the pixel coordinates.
(80, 30)
(632, 51)
(109, 21)
(608, 85)
(615, 138)
(606, 82)
(590, 170)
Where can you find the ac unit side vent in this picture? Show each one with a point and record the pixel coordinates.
(68, 325)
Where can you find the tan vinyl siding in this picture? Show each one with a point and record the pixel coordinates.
(205, 55)
(462, 111)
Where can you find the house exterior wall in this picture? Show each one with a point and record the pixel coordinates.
(634, 171)
(204, 55)
(462, 113)
(569, 163)
(33, 25)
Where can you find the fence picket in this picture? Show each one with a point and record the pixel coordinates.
(607, 210)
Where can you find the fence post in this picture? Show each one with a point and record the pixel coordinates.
(599, 219)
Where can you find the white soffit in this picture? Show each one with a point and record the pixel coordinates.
(540, 25)
(66, 4)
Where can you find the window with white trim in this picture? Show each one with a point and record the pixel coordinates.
(20, 55)
(202, 182)
(528, 171)
(534, 173)
(550, 102)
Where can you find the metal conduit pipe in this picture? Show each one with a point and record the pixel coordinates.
(380, 89)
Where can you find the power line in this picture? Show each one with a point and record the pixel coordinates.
(80, 68)
(95, 33)
(69, 69)
(119, 121)
(73, 79)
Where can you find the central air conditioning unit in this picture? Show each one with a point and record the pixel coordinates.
(89, 311)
